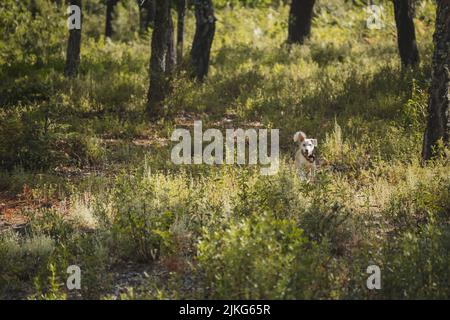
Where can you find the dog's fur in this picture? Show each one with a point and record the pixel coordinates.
(305, 157)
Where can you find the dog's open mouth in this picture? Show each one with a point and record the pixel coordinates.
(311, 158)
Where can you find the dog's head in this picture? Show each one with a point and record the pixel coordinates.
(307, 146)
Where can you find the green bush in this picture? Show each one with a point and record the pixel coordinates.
(26, 40)
(417, 264)
(21, 259)
(263, 258)
(140, 228)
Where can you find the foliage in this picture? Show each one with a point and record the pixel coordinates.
(262, 258)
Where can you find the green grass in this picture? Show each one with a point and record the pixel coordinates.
(104, 194)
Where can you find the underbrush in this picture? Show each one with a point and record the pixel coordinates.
(248, 236)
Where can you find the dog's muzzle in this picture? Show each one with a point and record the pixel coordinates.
(310, 158)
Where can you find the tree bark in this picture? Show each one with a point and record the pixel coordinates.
(110, 5)
(181, 16)
(203, 38)
(146, 14)
(73, 47)
(300, 19)
(151, 12)
(171, 59)
(438, 121)
(159, 47)
(33, 8)
(406, 34)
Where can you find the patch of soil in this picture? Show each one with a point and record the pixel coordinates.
(12, 208)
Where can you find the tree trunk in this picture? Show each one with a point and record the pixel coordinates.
(73, 47)
(300, 19)
(159, 47)
(171, 59)
(406, 35)
(151, 12)
(110, 5)
(203, 38)
(146, 14)
(438, 122)
(33, 8)
(181, 15)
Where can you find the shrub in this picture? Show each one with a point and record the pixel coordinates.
(140, 228)
(21, 259)
(417, 264)
(262, 258)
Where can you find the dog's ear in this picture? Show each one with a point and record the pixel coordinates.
(299, 136)
(314, 142)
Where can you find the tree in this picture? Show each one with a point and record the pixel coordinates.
(171, 59)
(300, 19)
(74, 43)
(146, 14)
(34, 8)
(158, 67)
(406, 35)
(110, 5)
(438, 122)
(181, 14)
(203, 38)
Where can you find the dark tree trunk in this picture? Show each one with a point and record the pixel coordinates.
(73, 47)
(110, 6)
(159, 47)
(438, 122)
(300, 19)
(33, 8)
(181, 15)
(171, 59)
(406, 34)
(203, 38)
(146, 14)
(151, 12)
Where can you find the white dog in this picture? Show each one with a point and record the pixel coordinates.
(305, 159)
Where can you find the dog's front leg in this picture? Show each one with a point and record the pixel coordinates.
(302, 174)
(313, 173)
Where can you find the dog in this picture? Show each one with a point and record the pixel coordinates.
(305, 157)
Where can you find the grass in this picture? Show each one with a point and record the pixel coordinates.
(94, 180)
